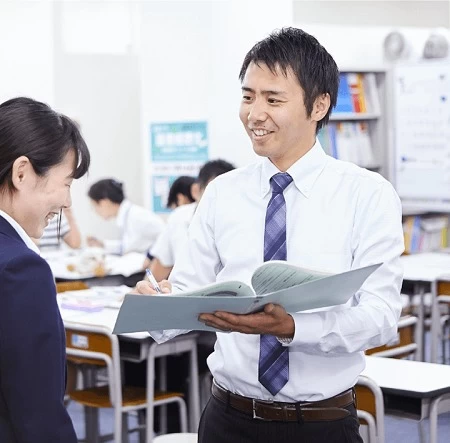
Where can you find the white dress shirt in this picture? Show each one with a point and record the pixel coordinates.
(174, 235)
(139, 229)
(339, 217)
(23, 235)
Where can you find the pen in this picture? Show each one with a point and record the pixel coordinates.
(153, 281)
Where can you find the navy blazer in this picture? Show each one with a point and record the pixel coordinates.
(32, 348)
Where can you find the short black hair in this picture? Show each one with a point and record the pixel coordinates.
(314, 68)
(108, 188)
(34, 130)
(182, 185)
(212, 169)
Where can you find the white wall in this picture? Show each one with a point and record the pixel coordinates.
(400, 13)
(26, 51)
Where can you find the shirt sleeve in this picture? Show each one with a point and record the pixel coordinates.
(112, 246)
(370, 319)
(198, 262)
(32, 353)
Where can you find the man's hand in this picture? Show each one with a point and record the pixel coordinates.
(144, 287)
(274, 320)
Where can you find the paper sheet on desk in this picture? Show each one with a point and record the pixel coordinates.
(159, 312)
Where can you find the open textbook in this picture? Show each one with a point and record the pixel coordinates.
(296, 289)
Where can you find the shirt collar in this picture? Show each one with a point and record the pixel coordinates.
(304, 171)
(123, 212)
(23, 235)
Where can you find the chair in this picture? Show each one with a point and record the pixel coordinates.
(176, 438)
(404, 345)
(97, 344)
(444, 308)
(370, 408)
(76, 285)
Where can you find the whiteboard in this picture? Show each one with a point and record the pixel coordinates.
(422, 134)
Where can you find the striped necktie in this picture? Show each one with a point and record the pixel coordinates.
(273, 371)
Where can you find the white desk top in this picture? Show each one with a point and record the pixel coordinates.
(103, 316)
(125, 265)
(407, 377)
(427, 267)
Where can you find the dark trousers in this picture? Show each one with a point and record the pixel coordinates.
(223, 424)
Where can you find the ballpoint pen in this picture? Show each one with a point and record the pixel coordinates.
(153, 281)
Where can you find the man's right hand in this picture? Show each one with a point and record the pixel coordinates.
(144, 287)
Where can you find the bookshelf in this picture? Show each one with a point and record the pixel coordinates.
(358, 129)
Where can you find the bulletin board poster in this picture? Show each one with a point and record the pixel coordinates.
(422, 133)
(178, 148)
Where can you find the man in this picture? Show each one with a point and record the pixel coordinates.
(282, 377)
(172, 239)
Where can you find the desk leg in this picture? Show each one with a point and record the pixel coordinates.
(435, 323)
(434, 408)
(194, 391)
(420, 290)
(150, 392)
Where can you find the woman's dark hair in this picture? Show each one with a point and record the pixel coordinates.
(314, 68)
(182, 185)
(107, 188)
(32, 129)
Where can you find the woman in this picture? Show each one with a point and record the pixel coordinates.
(138, 226)
(41, 153)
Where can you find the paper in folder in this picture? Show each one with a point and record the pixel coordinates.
(296, 289)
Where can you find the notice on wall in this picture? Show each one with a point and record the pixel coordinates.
(422, 133)
(179, 148)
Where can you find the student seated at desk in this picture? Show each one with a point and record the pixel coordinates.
(62, 227)
(139, 227)
(41, 153)
(181, 192)
(161, 257)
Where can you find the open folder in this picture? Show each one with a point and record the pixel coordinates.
(296, 289)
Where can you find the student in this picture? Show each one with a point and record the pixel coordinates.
(139, 227)
(282, 377)
(41, 153)
(166, 248)
(61, 227)
(181, 192)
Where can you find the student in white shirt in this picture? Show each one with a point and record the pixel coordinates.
(337, 217)
(64, 227)
(171, 240)
(139, 227)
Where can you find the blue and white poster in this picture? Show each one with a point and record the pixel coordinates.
(178, 148)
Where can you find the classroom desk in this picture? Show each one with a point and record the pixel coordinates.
(425, 271)
(126, 269)
(411, 388)
(140, 346)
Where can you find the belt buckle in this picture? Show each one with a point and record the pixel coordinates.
(255, 404)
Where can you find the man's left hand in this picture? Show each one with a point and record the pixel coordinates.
(274, 320)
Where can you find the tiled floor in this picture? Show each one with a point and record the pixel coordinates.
(398, 430)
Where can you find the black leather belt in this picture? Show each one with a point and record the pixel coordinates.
(324, 410)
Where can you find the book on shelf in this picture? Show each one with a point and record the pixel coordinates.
(425, 233)
(296, 289)
(348, 141)
(355, 94)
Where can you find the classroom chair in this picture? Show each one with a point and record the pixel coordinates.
(370, 409)
(177, 438)
(444, 307)
(404, 346)
(97, 344)
(76, 285)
